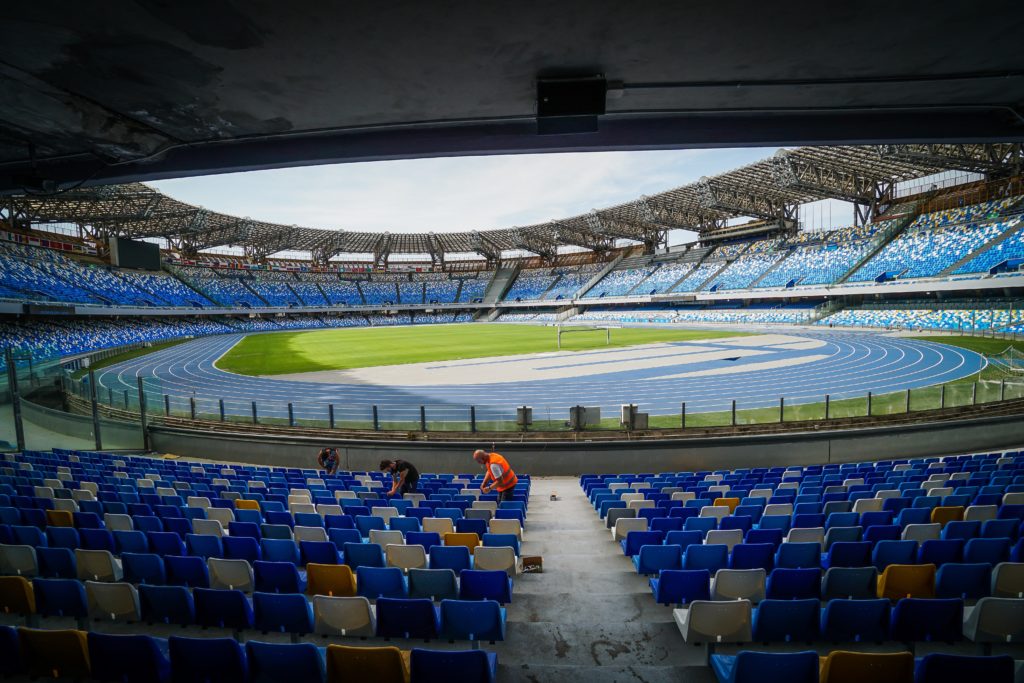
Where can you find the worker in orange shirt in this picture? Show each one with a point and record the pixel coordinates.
(499, 472)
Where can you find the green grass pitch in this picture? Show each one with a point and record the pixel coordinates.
(281, 353)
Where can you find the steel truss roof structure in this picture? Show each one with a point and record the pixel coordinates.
(769, 189)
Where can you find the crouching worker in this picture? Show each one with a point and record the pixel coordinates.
(499, 472)
(328, 460)
(404, 476)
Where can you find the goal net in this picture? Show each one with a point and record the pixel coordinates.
(1009, 360)
(601, 330)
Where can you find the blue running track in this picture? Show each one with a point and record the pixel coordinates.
(854, 364)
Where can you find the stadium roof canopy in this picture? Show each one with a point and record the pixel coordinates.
(130, 90)
(769, 189)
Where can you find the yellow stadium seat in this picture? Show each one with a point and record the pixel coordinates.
(900, 581)
(59, 518)
(942, 515)
(335, 580)
(378, 664)
(730, 503)
(471, 541)
(242, 504)
(858, 667)
(17, 595)
(55, 654)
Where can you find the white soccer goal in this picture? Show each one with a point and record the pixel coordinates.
(1009, 360)
(593, 329)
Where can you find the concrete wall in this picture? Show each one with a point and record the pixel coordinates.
(114, 434)
(573, 458)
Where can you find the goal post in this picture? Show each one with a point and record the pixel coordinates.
(566, 329)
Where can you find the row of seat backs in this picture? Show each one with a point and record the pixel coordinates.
(841, 666)
(136, 658)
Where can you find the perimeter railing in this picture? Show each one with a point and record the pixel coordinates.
(146, 401)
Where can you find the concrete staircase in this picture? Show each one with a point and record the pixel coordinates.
(999, 239)
(775, 266)
(824, 310)
(589, 284)
(503, 278)
(881, 240)
(710, 280)
(589, 616)
(566, 313)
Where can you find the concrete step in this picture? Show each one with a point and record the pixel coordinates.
(626, 673)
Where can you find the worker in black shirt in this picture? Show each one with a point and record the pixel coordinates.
(404, 473)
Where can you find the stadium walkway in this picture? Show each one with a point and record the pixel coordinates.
(589, 616)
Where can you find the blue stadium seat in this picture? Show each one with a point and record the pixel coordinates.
(964, 581)
(961, 530)
(96, 539)
(367, 523)
(844, 554)
(684, 539)
(500, 541)
(682, 586)
(893, 552)
(404, 524)
(858, 583)
(635, 539)
(948, 668)
(443, 666)
(427, 539)
(407, 618)
(143, 568)
(766, 667)
(187, 571)
(859, 621)
(991, 550)
(710, 557)
(278, 577)
(167, 605)
(793, 584)
(787, 621)
(376, 582)
(939, 552)
(773, 536)
(10, 652)
(222, 609)
(205, 546)
(701, 524)
(753, 556)
(165, 543)
(60, 598)
(1000, 528)
(364, 554)
(485, 585)
(296, 662)
(282, 613)
(319, 552)
(62, 537)
(279, 550)
(436, 584)
(127, 658)
(471, 526)
(798, 555)
(241, 548)
(654, 558)
(918, 619)
(56, 563)
(472, 620)
(878, 533)
(212, 660)
(456, 558)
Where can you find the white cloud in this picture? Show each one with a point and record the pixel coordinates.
(453, 193)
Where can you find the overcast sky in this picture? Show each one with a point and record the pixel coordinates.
(455, 193)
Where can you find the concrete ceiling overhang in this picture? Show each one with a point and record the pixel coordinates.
(118, 91)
